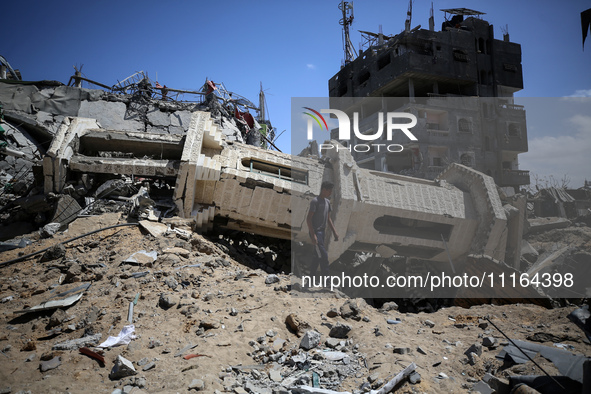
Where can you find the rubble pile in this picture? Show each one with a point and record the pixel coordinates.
(31, 114)
(209, 314)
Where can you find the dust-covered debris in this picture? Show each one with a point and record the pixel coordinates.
(240, 332)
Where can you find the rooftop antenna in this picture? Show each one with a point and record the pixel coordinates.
(346, 21)
(408, 17)
(431, 19)
(262, 114)
(505, 31)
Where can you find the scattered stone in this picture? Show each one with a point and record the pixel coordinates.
(401, 350)
(143, 361)
(373, 377)
(209, 323)
(340, 330)
(472, 358)
(179, 251)
(149, 366)
(74, 344)
(122, 368)
(414, 378)
(31, 357)
(332, 312)
(275, 375)
(73, 274)
(332, 342)
(57, 318)
(207, 297)
(310, 340)
(197, 384)
(350, 309)
(154, 343)
(429, 323)
(421, 350)
(475, 348)
(272, 279)
(167, 301)
(29, 346)
(49, 230)
(389, 306)
(171, 283)
(489, 342)
(483, 324)
(51, 364)
(296, 325)
(55, 252)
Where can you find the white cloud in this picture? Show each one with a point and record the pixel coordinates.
(561, 155)
(581, 93)
(310, 66)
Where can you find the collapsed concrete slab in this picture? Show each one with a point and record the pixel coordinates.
(268, 193)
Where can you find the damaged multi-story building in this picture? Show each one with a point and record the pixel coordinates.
(459, 82)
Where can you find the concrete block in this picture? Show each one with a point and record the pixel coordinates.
(539, 225)
(310, 340)
(122, 368)
(111, 115)
(181, 119)
(340, 330)
(158, 118)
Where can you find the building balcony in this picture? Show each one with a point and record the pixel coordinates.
(513, 143)
(514, 178)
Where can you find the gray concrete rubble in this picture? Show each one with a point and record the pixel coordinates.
(214, 179)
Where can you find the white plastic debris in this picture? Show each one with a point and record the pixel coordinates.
(335, 356)
(124, 337)
(6, 299)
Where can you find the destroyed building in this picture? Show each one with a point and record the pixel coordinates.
(268, 193)
(437, 71)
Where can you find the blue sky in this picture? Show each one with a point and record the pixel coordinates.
(293, 48)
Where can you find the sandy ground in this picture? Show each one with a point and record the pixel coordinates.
(227, 297)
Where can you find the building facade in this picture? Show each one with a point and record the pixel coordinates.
(459, 82)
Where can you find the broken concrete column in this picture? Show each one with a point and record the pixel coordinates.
(60, 151)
